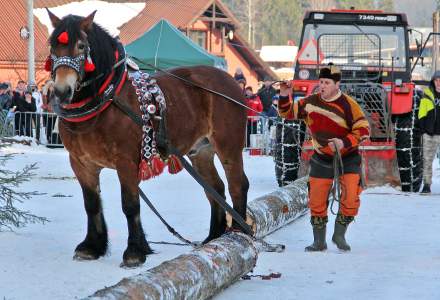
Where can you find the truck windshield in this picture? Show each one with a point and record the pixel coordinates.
(354, 46)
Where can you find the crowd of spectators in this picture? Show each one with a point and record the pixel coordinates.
(24, 110)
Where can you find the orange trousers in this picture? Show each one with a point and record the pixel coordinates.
(319, 192)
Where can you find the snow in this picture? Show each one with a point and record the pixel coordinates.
(395, 242)
(109, 15)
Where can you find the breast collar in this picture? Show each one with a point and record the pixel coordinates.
(92, 106)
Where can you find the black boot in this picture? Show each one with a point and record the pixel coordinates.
(319, 230)
(426, 189)
(341, 225)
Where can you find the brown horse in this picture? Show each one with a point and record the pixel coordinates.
(110, 139)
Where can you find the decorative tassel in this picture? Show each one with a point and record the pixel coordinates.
(63, 38)
(145, 171)
(48, 64)
(89, 66)
(157, 165)
(174, 164)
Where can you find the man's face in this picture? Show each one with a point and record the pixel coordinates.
(21, 86)
(328, 88)
(437, 84)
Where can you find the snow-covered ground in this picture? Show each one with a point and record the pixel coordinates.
(395, 240)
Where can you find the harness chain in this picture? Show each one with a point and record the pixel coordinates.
(152, 105)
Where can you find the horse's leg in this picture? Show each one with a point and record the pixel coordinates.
(137, 246)
(96, 241)
(231, 158)
(203, 162)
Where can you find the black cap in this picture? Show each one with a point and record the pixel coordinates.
(3, 86)
(331, 72)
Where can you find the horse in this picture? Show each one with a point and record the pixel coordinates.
(198, 123)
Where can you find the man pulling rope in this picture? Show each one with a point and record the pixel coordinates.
(337, 125)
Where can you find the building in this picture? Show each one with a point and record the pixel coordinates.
(208, 22)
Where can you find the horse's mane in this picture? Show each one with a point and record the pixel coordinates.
(102, 44)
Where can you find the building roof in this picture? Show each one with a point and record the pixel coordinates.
(184, 17)
(13, 49)
(155, 10)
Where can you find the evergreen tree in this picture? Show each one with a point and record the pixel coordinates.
(10, 215)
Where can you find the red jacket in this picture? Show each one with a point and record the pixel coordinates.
(254, 102)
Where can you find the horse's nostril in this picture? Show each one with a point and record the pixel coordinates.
(69, 91)
(63, 94)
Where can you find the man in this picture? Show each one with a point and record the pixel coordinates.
(430, 125)
(5, 98)
(266, 94)
(336, 123)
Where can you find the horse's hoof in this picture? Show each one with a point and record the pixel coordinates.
(131, 264)
(80, 256)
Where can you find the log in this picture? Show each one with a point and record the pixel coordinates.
(270, 212)
(199, 274)
(207, 270)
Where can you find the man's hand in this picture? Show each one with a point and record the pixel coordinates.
(335, 142)
(285, 88)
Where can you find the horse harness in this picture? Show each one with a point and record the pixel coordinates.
(153, 107)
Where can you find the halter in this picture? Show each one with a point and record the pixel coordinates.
(76, 63)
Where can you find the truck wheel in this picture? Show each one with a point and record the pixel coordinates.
(409, 150)
(287, 152)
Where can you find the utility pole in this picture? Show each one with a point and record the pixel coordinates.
(250, 29)
(435, 40)
(31, 45)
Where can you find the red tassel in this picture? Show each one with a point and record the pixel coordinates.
(63, 38)
(157, 165)
(48, 64)
(89, 66)
(145, 171)
(174, 164)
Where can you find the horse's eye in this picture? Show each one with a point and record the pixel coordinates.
(81, 46)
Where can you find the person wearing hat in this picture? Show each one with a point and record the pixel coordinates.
(266, 93)
(336, 123)
(5, 97)
(429, 124)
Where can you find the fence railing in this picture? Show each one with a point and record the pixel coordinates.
(260, 135)
(260, 132)
(41, 126)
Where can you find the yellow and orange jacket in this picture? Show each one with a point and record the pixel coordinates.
(340, 118)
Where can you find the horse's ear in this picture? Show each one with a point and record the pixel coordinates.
(53, 19)
(87, 22)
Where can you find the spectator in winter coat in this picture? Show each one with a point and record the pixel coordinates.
(429, 123)
(254, 102)
(337, 124)
(5, 97)
(266, 94)
(23, 121)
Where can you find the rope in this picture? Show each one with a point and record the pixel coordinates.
(338, 170)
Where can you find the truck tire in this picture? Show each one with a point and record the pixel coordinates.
(409, 149)
(287, 151)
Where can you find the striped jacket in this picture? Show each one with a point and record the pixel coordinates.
(341, 118)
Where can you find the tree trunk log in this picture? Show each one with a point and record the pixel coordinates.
(199, 274)
(207, 270)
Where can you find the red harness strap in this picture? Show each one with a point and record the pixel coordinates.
(101, 90)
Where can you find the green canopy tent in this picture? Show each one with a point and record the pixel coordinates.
(164, 46)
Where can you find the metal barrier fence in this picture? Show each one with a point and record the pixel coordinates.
(259, 140)
(260, 135)
(41, 126)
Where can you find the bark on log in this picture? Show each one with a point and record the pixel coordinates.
(207, 270)
(198, 275)
(277, 209)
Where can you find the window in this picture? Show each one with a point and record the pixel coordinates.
(198, 37)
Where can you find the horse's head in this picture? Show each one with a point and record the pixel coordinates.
(70, 54)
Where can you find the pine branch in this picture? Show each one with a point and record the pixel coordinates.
(10, 216)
